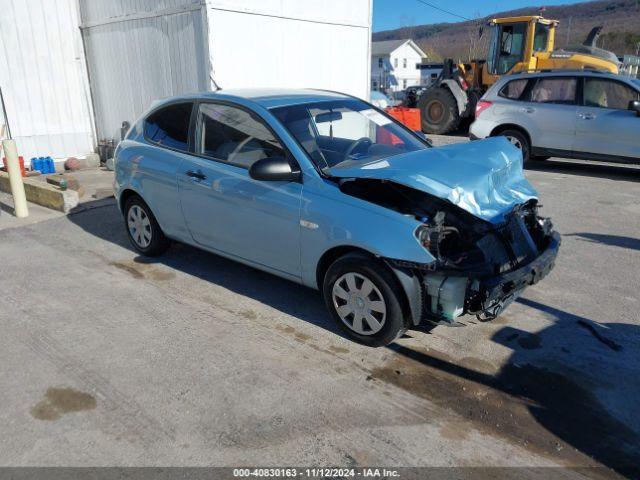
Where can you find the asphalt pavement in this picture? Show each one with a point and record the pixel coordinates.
(109, 358)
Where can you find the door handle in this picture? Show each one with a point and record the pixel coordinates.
(528, 109)
(587, 116)
(196, 175)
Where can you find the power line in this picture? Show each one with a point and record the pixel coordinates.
(442, 9)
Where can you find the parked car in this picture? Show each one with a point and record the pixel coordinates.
(324, 190)
(379, 99)
(574, 114)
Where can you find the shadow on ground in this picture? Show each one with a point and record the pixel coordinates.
(103, 220)
(538, 402)
(613, 240)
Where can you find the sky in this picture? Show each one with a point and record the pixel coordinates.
(389, 14)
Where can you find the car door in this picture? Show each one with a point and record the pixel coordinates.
(605, 126)
(154, 167)
(224, 208)
(550, 108)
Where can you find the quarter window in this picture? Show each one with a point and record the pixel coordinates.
(513, 90)
(555, 90)
(235, 136)
(608, 94)
(169, 126)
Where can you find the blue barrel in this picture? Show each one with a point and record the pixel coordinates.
(50, 165)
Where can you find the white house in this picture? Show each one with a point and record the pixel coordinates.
(71, 71)
(394, 64)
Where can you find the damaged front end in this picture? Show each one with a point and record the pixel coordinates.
(481, 271)
(479, 266)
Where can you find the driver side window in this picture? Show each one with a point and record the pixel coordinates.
(235, 136)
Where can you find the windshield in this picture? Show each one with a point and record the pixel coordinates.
(341, 133)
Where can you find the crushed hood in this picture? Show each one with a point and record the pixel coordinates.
(484, 177)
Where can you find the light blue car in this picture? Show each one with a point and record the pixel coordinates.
(325, 190)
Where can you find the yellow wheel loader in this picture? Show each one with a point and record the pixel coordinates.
(516, 44)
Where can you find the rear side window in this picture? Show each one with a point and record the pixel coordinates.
(235, 136)
(555, 90)
(169, 126)
(513, 90)
(608, 94)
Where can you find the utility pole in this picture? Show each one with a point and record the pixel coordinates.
(569, 30)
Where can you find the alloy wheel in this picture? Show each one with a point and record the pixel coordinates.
(515, 142)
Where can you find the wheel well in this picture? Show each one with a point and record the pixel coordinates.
(126, 195)
(334, 253)
(331, 256)
(510, 126)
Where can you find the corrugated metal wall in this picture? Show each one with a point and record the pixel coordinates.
(140, 51)
(42, 78)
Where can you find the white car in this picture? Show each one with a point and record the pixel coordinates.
(573, 114)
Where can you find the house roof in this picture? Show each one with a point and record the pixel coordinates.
(385, 47)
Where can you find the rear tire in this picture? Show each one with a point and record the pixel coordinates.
(519, 140)
(438, 111)
(143, 230)
(356, 288)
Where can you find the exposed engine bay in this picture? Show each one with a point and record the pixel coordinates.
(479, 267)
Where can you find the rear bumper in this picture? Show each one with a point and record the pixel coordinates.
(481, 129)
(491, 295)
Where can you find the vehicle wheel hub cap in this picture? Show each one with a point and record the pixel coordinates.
(359, 303)
(514, 141)
(139, 226)
(435, 111)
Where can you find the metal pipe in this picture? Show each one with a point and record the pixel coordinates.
(4, 114)
(15, 179)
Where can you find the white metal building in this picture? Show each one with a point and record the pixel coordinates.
(394, 64)
(139, 51)
(69, 67)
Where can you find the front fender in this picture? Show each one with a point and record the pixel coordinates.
(339, 220)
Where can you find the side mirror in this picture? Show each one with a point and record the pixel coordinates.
(273, 169)
(634, 106)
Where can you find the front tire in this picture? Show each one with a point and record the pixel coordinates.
(143, 230)
(364, 300)
(438, 111)
(519, 140)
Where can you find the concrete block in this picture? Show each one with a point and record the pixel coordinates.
(71, 182)
(92, 160)
(44, 194)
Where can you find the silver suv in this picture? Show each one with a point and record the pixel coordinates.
(573, 114)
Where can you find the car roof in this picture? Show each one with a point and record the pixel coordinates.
(265, 97)
(566, 72)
